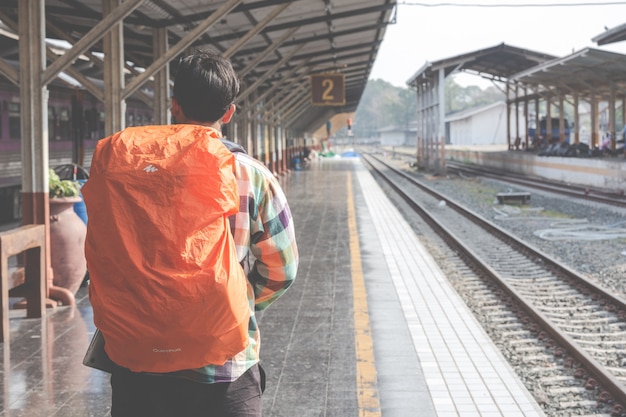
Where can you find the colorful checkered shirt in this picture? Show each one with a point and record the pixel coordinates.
(264, 235)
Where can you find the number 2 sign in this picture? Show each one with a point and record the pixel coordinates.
(328, 89)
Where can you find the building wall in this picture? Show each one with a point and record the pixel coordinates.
(393, 138)
(487, 127)
(601, 173)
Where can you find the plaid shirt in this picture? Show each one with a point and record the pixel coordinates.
(264, 236)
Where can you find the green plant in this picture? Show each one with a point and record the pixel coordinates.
(62, 188)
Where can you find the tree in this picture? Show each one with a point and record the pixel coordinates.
(460, 98)
(385, 105)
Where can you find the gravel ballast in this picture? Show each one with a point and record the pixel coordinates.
(588, 237)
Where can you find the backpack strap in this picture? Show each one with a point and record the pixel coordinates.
(232, 146)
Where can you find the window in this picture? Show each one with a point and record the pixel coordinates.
(15, 126)
(101, 119)
(52, 126)
(64, 124)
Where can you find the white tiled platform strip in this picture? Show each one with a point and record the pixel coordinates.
(466, 375)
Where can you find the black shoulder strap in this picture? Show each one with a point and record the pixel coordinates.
(232, 146)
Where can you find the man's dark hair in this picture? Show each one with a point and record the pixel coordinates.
(205, 86)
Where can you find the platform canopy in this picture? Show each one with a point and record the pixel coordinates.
(496, 63)
(616, 34)
(275, 45)
(585, 73)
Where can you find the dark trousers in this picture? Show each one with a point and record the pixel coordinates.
(139, 395)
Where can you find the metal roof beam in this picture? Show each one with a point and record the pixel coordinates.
(261, 56)
(268, 73)
(351, 48)
(182, 44)
(286, 100)
(90, 38)
(343, 15)
(311, 39)
(309, 57)
(190, 18)
(77, 75)
(9, 72)
(286, 104)
(300, 104)
(256, 29)
(278, 85)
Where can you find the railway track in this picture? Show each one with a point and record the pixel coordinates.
(564, 335)
(570, 190)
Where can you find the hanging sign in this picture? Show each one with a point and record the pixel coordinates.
(328, 89)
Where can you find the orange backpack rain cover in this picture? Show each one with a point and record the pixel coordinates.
(167, 290)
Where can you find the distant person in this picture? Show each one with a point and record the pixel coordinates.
(260, 235)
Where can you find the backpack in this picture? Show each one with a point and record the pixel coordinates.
(166, 287)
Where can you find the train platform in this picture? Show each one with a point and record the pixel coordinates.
(371, 327)
(605, 173)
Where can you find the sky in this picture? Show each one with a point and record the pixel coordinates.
(432, 30)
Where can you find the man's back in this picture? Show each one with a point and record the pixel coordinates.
(167, 289)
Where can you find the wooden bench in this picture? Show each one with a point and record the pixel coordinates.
(29, 240)
(518, 197)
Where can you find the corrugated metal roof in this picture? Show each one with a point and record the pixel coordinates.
(307, 37)
(616, 34)
(495, 63)
(586, 72)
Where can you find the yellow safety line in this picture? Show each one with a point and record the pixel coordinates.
(366, 380)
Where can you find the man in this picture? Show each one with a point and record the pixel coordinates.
(263, 233)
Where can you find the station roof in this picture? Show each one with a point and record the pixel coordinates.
(586, 72)
(496, 63)
(275, 45)
(616, 34)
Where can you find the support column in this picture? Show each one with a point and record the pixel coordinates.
(623, 113)
(526, 120)
(440, 166)
(264, 144)
(611, 127)
(280, 158)
(270, 144)
(34, 113)
(508, 116)
(429, 124)
(561, 120)
(594, 121)
(114, 105)
(248, 129)
(420, 126)
(518, 139)
(285, 145)
(255, 132)
(622, 134)
(246, 122)
(576, 121)
(538, 142)
(34, 122)
(162, 114)
(549, 119)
